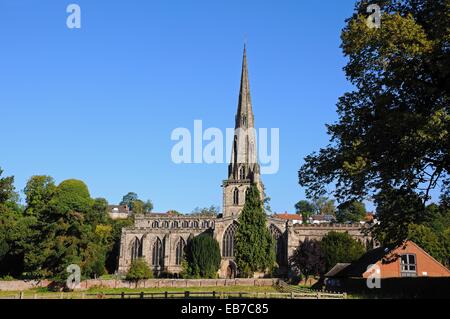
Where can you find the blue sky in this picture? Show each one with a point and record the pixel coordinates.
(99, 103)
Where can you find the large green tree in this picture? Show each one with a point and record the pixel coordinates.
(308, 259)
(65, 231)
(392, 134)
(429, 241)
(340, 248)
(15, 229)
(255, 247)
(202, 256)
(353, 211)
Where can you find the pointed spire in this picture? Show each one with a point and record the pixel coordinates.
(244, 116)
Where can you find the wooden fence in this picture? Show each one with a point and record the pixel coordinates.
(183, 295)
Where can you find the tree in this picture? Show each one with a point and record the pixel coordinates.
(38, 193)
(15, 229)
(68, 230)
(308, 259)
(112, 254)
(429, 241)
(139, 270)
(396, 210)
(393, 128)
(305, 209)
(6, 188)
(353, 211)
(128, 199)
(324, 206)
(203, 257)
(304, 206)
(255, 247)
(340, 248)
(138, 206)
(148, 206)
(98, 214)
(211, 211)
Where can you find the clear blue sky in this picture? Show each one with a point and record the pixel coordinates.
(99, 103)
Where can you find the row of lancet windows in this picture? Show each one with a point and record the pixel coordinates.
(157, 251)
(182, 224)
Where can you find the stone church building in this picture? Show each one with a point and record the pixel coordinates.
(161, 238)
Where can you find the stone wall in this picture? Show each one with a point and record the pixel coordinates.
(18, 285)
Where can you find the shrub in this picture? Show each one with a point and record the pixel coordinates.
(139, 270)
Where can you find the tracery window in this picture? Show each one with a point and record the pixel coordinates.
(136, 249)
(179, 253)
(229, 241)
(158, 253)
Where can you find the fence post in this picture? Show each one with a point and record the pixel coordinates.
(21, 295)
(292, 295)
(165, 294)
(122, 295)
(214, 294)
(142, 295)
(318, 295)
(186, 294)
(344, 295)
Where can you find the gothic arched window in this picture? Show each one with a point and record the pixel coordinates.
(158, 253)
(279, 244)
(236, 196)
(179, 252)
(242, 173)
(155, 224)
(136, 249)
(166, 224)
(175, 224)
(185, 224)
(247, 191)
(228, 241)
(195, 224)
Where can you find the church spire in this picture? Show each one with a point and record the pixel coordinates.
(244, 116)
(243, 170)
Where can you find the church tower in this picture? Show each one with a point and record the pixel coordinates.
(243, 169)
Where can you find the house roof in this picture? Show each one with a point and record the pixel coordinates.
(359, 267)
(337, 269)
(123, 209)
(288, 216)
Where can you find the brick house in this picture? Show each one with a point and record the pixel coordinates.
(406, 260)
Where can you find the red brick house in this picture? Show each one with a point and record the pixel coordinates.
(406, 260)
